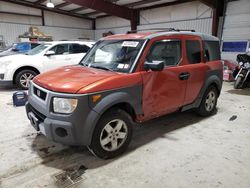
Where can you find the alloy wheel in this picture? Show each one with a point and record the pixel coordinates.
(25, 79)
(113, 135)
(210, 101)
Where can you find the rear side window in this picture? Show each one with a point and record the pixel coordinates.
(167, 51)
(193, 51)
(212, 50)
(77, 48)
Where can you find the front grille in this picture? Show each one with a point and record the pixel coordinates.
(38, 115)
(39, 93)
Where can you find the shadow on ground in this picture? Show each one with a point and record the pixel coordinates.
(245, 91)
(62, 157)
(9, 88)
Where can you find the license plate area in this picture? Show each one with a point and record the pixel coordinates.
(33, 120)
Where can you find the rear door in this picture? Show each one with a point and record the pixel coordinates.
(163, 91)
(77, 52)
(194, 67)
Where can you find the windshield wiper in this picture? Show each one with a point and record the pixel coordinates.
(101, 67)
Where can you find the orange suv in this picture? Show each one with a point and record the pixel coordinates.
(125, 79)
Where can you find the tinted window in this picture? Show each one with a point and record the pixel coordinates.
(212, 50)
(77, 48)
(33, 45)
(60, 49)
(167, 51)
(193, 51)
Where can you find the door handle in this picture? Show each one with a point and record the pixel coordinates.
(184, 75)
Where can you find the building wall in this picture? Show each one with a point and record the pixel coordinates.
(193, 15)
(237, 24)
(59, 26)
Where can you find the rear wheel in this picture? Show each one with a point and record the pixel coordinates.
(209, 102)
(112, 134)
(24, 77)
(238, 83)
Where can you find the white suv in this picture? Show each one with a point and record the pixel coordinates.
(21, 68)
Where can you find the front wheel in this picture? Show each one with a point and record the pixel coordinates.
(24, 77)
(112, 134)
(209, 102)
(238, 83)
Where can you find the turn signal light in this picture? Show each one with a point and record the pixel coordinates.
(95, 98)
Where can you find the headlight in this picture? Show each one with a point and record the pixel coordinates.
(64, 105)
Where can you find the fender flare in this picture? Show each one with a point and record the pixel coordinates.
(211, 79)
(104, 105)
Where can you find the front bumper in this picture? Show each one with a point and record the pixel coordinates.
(6, 83)
(72, 129)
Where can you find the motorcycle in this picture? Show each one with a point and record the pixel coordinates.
(242, 72)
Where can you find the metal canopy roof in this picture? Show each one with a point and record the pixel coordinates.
(127, 9)
(90, 9)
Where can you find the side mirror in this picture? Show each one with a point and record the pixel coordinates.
(154, 66)
(50, 53)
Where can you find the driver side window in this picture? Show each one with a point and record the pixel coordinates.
(60, 49)
(167, 51)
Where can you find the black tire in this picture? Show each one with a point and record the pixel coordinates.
(238, 83)
(99, 133)
(20, 77)
(205, 109)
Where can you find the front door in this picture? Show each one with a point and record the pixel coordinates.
(164, 91)
(60, 58)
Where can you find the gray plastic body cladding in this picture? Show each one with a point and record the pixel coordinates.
(81, 123)
(130, 95)
(73, 123)
(212, 77)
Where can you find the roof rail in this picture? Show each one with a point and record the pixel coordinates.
(161, 30)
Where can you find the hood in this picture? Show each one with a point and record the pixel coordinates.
(6, 53)
(15, 57)
(71, 79)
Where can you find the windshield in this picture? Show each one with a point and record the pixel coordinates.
(38, 49)
(113, 55)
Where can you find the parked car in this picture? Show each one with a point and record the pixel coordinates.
(22, 47)
(125, 79)
(21, 68)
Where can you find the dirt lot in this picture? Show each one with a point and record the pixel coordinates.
(178, 150)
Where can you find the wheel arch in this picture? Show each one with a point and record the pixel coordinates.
(212, 80)
(24, 68)
(119, 101)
